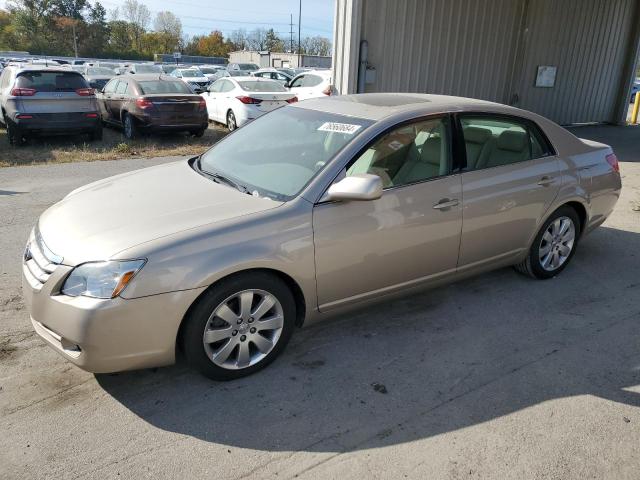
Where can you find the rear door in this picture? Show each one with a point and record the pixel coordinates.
(118, 99)
(511, 179)
(211, 99)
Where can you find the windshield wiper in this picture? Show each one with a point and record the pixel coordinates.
(221, 178)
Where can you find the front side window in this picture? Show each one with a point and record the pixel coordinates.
(296, 141)
(412, 153)
(298, 82)
(497, 141)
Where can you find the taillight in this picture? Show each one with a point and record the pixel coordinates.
(24, 116)
(144, 103)
(328, 90)
(23, 92)
(613, 161)
(202, 106)
(91, 115)
(249, 100)
(292, 100)
(85, 92)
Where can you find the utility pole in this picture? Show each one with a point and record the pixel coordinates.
(75, 40)
(291, 34)
(299, 26)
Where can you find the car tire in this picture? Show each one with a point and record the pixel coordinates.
(241, 345)
(554, 245)
(198, 133)
(129, 125)
(14, 135)
(232, 124)
(96, 135)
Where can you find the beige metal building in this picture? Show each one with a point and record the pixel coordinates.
(570, 60)
(279, 59)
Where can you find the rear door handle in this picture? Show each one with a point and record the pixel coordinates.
(446, 203)
(546, 181)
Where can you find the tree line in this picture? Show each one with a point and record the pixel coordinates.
(70, 27)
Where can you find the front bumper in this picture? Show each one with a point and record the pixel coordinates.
(101, 335)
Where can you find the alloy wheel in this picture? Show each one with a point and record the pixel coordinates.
(557, 243)
(243, 329)
(231, 121)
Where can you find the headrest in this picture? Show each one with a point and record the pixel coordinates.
(431, 151)
(512, 140)
(476, 135)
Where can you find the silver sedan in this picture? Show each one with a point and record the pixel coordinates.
(311, 210)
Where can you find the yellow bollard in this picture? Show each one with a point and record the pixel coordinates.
(636, 107)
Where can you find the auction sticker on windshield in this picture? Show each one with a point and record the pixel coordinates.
(347, 128)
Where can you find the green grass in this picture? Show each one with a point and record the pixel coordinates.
(114, 146)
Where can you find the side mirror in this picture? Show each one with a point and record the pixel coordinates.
(364, 186)
(286, 84)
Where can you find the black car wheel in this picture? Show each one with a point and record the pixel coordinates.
(130, 130)
(198, 133)
(96, 135)
(14, 135)
(231, 121)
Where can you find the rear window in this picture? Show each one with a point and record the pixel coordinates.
(99, 71)
(247, 66)
(148, 69)
(51, 81)
(162, 86)
(253, 86)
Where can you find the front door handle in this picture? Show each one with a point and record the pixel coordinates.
(446, 203)
(545, 181)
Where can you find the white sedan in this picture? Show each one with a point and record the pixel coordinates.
(312, 84)
(235, 101)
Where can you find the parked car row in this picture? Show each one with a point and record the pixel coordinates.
(49, 100)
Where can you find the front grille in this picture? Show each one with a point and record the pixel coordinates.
(39, 261)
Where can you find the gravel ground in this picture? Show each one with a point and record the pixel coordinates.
(499, 376)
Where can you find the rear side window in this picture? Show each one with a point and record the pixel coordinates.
(253, 86)
(51, 81)
(111, 86)
(497, 141)
(160, 86)
(122, 87)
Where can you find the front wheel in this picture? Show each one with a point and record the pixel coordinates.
(554, 245)
(232, 124)
(239, 326)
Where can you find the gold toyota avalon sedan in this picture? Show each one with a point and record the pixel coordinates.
(308, 211)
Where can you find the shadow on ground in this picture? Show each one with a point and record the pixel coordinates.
(437, 362)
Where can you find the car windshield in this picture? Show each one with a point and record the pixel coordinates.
(255, 86)
(209, 70)
(247, 66)
(236, 73)
(148, 69)
(99, 71)
(153, 87)
(191, 73)
(278, 154)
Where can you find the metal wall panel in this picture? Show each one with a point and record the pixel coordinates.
(455, 47)
(588, 41)
(491, 49)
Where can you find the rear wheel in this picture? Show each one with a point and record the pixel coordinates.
(96, 135)
(239, 326)
(130, 129)
(231, 121)
(198, 133)
(554, 246)
(14, 135)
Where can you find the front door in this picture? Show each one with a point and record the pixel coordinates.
(510, 181)
(410, 234)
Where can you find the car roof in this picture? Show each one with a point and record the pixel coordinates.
(42, 68)
(376, 106)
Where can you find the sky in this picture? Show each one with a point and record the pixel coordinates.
(203, 16)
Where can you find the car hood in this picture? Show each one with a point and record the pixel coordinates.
(97, 221)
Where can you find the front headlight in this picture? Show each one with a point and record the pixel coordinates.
(101, 279)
